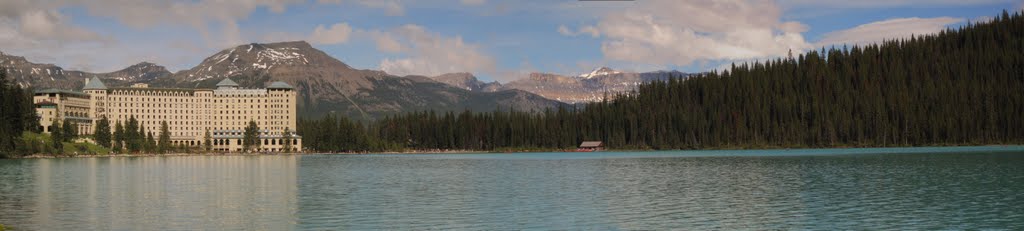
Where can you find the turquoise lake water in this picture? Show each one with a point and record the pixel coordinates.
(874, 188)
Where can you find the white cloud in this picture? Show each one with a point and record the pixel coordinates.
(885, 3)
(47, 36)
(562, 29)
(337, 33)
(793, 27)
(591, 30)
(37, 29)
(429, 53)
(215, 20)
(887, 29)
(50, 24)
(37, 25)
(386, 42)
(681, 32)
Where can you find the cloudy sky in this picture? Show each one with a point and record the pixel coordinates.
(496, 40)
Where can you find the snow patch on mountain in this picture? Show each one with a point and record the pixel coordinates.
(599, 72)
(252, 58)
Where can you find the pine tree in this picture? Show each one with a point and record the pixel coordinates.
(17, 111)
(118, 137)
(133, 139)
(165, 138)
(143, 142)
(207, 141)
(102, 132)
(250, 138)
(150, 144)
(286, 140)
(69, 130)
(57, 137)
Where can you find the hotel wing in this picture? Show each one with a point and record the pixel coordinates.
(225, 111)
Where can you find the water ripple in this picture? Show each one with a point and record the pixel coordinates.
(959, 188)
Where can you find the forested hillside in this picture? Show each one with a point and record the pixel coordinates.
(961, 86)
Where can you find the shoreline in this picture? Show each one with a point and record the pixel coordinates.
(45, 156)
(428, 152)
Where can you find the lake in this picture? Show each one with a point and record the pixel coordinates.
(875, 188)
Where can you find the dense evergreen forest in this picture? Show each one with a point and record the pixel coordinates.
(17, 114)
(958, 87)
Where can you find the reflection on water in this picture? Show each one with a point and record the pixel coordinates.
(687, 191)
(151, 193)
(874, 189)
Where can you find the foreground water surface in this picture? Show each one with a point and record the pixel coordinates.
(881, 188)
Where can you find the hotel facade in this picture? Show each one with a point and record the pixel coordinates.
(189, 113)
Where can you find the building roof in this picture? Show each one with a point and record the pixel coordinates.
(591, 144)
(59, 91)
(227, 83)
(155, 89)
(95, 84)
(280, 85)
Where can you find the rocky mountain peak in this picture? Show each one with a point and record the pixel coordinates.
(457, 75)
(599, 72)
(467, 81)
(27, 73)
(140, 72)
(257, 58)
(143, 65)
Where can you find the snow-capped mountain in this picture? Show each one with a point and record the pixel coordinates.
(38, 75)
(248, 58)
(327, 85)
(599, 72)
(141, 72)
(590, 87)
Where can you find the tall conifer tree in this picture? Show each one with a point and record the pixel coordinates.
(164, 143)
(102, 132)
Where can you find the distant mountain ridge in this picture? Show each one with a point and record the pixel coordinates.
(599, 72)
(467, 81)
(141, 72)
(589, 87)
(39, 75)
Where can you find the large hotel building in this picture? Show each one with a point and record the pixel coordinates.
(189, 113)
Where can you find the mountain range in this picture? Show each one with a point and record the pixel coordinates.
(28, 73)
(590, 87)
(328, 86)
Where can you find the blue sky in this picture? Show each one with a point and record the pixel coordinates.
(496, 40)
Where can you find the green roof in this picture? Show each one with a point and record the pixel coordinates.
(227, 83)
(156, 89)
(279, 85)
(95, 84)
(59, 91)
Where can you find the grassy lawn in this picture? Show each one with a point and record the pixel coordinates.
(84, 149)
(70, 148)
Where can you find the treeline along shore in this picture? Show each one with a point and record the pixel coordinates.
(961, 86)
